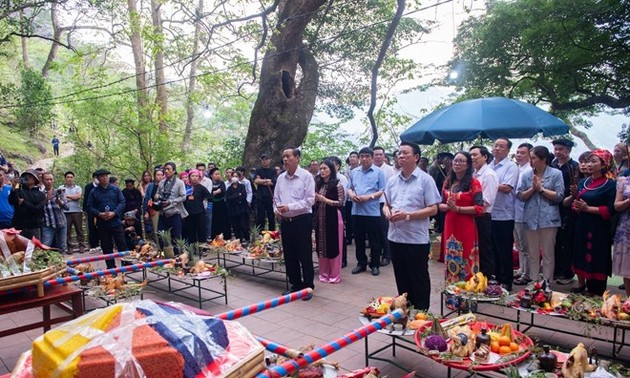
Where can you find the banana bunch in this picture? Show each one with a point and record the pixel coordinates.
(477, 283)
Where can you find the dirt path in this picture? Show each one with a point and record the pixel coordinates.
(65, 150)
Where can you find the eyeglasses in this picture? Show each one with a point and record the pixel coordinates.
(458, 162)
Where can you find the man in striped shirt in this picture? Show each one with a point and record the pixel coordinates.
(54, 233)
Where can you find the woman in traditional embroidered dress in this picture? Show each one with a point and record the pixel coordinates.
(461, 200)
(220, 223)
(594, 205)
(329, 199)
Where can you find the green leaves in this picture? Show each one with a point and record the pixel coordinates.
(33, 98)
(572, 54)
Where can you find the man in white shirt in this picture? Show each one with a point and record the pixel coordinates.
(503, 211)
(351, 163)
(379, 161)
(74, 214)
(294, 196)
(522, 160)
(205, 181)
(489, 187)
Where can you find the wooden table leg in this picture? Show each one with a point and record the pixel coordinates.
(77, 305)
(46, 311)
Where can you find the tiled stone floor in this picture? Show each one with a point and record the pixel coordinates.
(332, 313)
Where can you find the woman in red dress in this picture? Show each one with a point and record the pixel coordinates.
(462, 199)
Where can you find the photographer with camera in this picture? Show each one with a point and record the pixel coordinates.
(54, 232)
(169, 199)
(107, 203)
(28, 204)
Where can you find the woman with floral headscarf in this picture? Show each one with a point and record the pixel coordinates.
(594, 206)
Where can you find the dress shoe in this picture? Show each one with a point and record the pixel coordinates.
(521, 281)
(564, 280)
(307, 298)
(287, 292)
(375, 271)
(358, 269)
(344, 264)
(385, 261)
(578, 289)
(507, 287)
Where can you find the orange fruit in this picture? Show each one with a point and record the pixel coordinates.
(505, 350)
(504, 341)
(514, 346)
(421, 316)
(494, 346)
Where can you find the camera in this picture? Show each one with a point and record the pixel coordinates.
(157, 204)
(23, 180)
(60, 191)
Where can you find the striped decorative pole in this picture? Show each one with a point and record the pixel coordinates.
(80, 260)
(289, 367)
(106, 272)
(276, 348)
(265, 305)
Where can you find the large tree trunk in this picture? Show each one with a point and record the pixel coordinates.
(23, 41)
(54, 20)
(283, 109)
(138, 59)
(192, 83)
(162, 96)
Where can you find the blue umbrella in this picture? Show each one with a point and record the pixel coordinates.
(490, 118)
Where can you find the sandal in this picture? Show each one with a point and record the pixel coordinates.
(578, 289)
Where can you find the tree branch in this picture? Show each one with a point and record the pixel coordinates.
(389, 35)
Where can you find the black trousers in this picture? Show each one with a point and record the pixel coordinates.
(565, 244)
(106, 235)
(195, 228)
(264, 210)
(486, 250)
(411, 271)
(240, 226)
(503, 243)
(370, 227)
(344, 254)
(92, 231)
(297, 246)
(349, 223)
(384, 230)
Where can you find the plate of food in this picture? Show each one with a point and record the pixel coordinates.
(454, 344)
(479, 288)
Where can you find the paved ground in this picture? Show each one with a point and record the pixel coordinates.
(332, 313)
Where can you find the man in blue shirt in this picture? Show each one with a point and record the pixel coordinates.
(367, 183)
(106, 203)
(6, 210)
(55, 143)
(411, 198)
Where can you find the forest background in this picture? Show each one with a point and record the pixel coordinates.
(131, 84)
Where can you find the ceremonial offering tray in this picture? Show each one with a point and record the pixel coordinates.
(495, 362)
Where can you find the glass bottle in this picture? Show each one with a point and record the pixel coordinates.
(547, 360)
(526, 300)
(482, 338)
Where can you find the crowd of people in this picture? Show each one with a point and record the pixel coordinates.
(563, 217)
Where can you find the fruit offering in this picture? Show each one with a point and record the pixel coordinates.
(378, 307)
(477, 283)
(493, 289)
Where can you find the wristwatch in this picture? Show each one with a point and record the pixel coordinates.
(407, 217)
